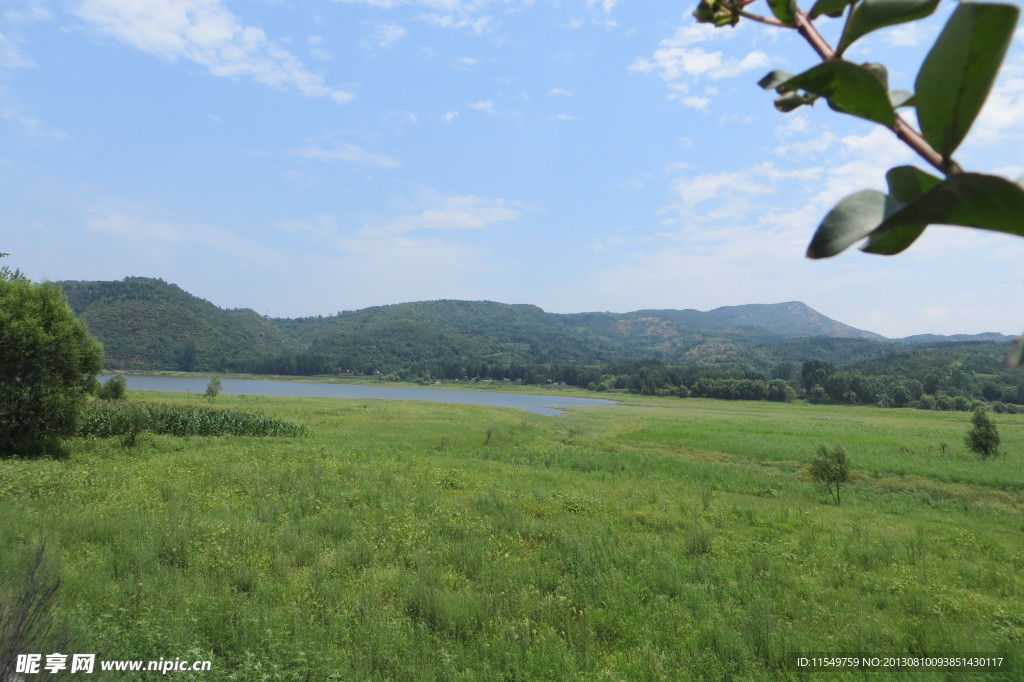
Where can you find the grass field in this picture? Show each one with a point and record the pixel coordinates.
(663, 539)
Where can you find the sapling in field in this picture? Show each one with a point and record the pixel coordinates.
(831, 469)
(983, 438)
(213, 388)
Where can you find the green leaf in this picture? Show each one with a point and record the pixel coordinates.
(848, 222)
(987, 202)
(907, 183)
(959, 71)
(774, 79)
(871, 15)
(881, 73)
(830, 8)
(793, 100)
(849, 88)
(784, 11)
(901, 98)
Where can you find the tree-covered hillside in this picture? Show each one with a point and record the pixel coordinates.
(752, 352)
(146, 323)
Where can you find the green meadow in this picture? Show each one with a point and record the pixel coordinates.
(661, 539)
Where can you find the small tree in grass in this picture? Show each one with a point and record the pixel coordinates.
(983, 438)
(831, 469)
(213, 388)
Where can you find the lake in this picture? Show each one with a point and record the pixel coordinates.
(540, 404)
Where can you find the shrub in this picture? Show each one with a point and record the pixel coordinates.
(113, 388)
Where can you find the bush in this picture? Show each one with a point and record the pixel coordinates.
(113, 388)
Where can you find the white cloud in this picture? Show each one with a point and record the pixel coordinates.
(673, 63)
(321, 226)
(449, 116)
(386, 36)
(11, 56)
(698, 103)
(452, 213)
(559, 91)
(606, 5)
(478, 25)
(908, 35)
(346, 152)
(1002, 114)
(207, 33)
(134, 228)
(486, 106)
(315, 45)
(27, 125)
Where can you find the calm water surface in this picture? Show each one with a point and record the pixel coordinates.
(541, 404)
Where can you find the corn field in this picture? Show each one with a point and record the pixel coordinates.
(106, 420)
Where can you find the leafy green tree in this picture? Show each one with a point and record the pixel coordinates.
(816, 373)
(983, 438)
(831, 469)
(48, 366)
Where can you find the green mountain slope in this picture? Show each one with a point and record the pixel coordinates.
(147, 323)
(788, 319)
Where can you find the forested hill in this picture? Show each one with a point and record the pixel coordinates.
(147, 323)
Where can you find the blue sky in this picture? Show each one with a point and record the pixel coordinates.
(303, 157)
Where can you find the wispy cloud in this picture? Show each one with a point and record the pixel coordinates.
(132, 227)
(315, 45)
(351, 153)
(386, 36)
(448, 213)
(11, 56)
(485, 106)
(207, 33)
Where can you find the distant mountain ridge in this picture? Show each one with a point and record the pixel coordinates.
(147, 323)
(789, 319)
